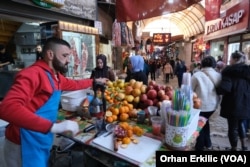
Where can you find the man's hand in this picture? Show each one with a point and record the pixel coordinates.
(65, 126)
(102, 80)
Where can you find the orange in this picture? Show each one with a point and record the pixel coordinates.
(136, 92)
(125, 102)
(115, 111)
(129, 133)
(126, 140)
(126, 108)
(107, 97)
(124, 125)
(111, 101)
(130, 128)
(123, 117)
(139, 132)
(111, 108)
(128, 90)
(130, 106)
(122, 110)
(137, 85)
(135, 129)
(114, 117)
(109, 119)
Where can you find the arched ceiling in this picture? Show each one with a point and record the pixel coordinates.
(189, 22)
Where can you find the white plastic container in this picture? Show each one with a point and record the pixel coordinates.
(166, 104)
(179, 136)
(71, 100)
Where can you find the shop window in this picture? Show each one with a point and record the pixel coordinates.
(217, 49)
(232, 47)
(246, 50)
(83, 48)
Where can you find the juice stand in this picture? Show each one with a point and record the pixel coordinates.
(139, 144)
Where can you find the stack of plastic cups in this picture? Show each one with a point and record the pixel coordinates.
(166, 106)
(186, 79)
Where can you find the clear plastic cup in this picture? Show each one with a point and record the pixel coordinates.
(156, 125)
(152, 110)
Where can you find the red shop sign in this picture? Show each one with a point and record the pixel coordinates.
(235, 21)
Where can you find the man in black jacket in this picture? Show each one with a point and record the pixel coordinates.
(5, 58)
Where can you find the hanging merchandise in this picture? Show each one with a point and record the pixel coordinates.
(130, 38)
(138, 30)
(124, 34)
(116, 34)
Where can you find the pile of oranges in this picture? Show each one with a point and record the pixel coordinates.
(129, 132)
(118, 111)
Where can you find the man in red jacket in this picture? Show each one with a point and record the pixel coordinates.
(31, 107)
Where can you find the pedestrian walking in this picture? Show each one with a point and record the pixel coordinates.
(167, 71)
(235, 106)
(204, 83)
(180, 69)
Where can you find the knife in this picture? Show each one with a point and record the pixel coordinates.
(115, 143)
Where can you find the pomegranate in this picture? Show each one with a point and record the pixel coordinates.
(152, 94)
(143, 97)
(120, 132)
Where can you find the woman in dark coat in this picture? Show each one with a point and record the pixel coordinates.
(235, 105)
(102, 70)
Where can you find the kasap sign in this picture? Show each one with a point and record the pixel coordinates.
(234, 20)
(225, 22)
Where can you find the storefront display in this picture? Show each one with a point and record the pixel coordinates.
(246, 46)
(83, 48)
(199, 49)
(217, 48)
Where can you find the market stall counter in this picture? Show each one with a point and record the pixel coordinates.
(118, 124)
(98, 145)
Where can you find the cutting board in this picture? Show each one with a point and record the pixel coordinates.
(139, 152)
